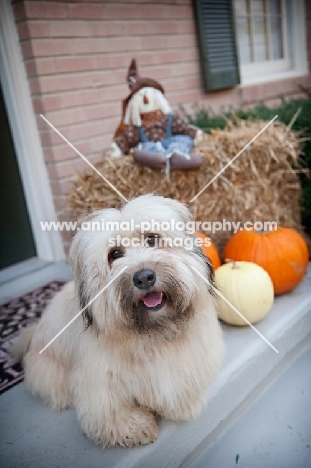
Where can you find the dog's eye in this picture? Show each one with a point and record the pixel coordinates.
(114, 254)
(152, 240)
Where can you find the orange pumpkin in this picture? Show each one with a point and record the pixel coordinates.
(283, 253)
(210, 251)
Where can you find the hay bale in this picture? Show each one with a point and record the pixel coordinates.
(262, 183)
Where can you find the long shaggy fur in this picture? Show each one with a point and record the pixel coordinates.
(122, 364)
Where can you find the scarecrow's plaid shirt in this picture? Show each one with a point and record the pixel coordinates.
(154, 125)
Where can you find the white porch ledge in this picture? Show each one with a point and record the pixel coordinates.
(32, 435)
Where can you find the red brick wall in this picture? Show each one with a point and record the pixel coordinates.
(76, 55)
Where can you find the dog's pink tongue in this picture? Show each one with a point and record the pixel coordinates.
(152, 299)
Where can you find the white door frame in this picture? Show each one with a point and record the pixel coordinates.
(26, 138)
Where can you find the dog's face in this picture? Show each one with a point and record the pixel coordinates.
(158, 292)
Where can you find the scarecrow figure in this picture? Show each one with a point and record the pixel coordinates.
(158, 137)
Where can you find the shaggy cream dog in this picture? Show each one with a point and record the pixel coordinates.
(150, 345)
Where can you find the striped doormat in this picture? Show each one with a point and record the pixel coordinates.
(16, 315)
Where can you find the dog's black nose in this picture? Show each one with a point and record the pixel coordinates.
(144, 279)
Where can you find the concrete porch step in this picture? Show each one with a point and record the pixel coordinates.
(274, 432)
(34, 435)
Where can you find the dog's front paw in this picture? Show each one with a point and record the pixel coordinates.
(139, 428)
(131, 427)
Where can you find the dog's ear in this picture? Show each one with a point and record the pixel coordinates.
(84, 299)
(83, 260)
(76, 254)
(209, 269)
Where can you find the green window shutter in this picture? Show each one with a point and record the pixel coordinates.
(216, 32)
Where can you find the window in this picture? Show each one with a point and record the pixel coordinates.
(260, 30)
(251, 41)
(266, 35)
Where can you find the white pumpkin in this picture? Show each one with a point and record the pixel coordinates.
(248, 287)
